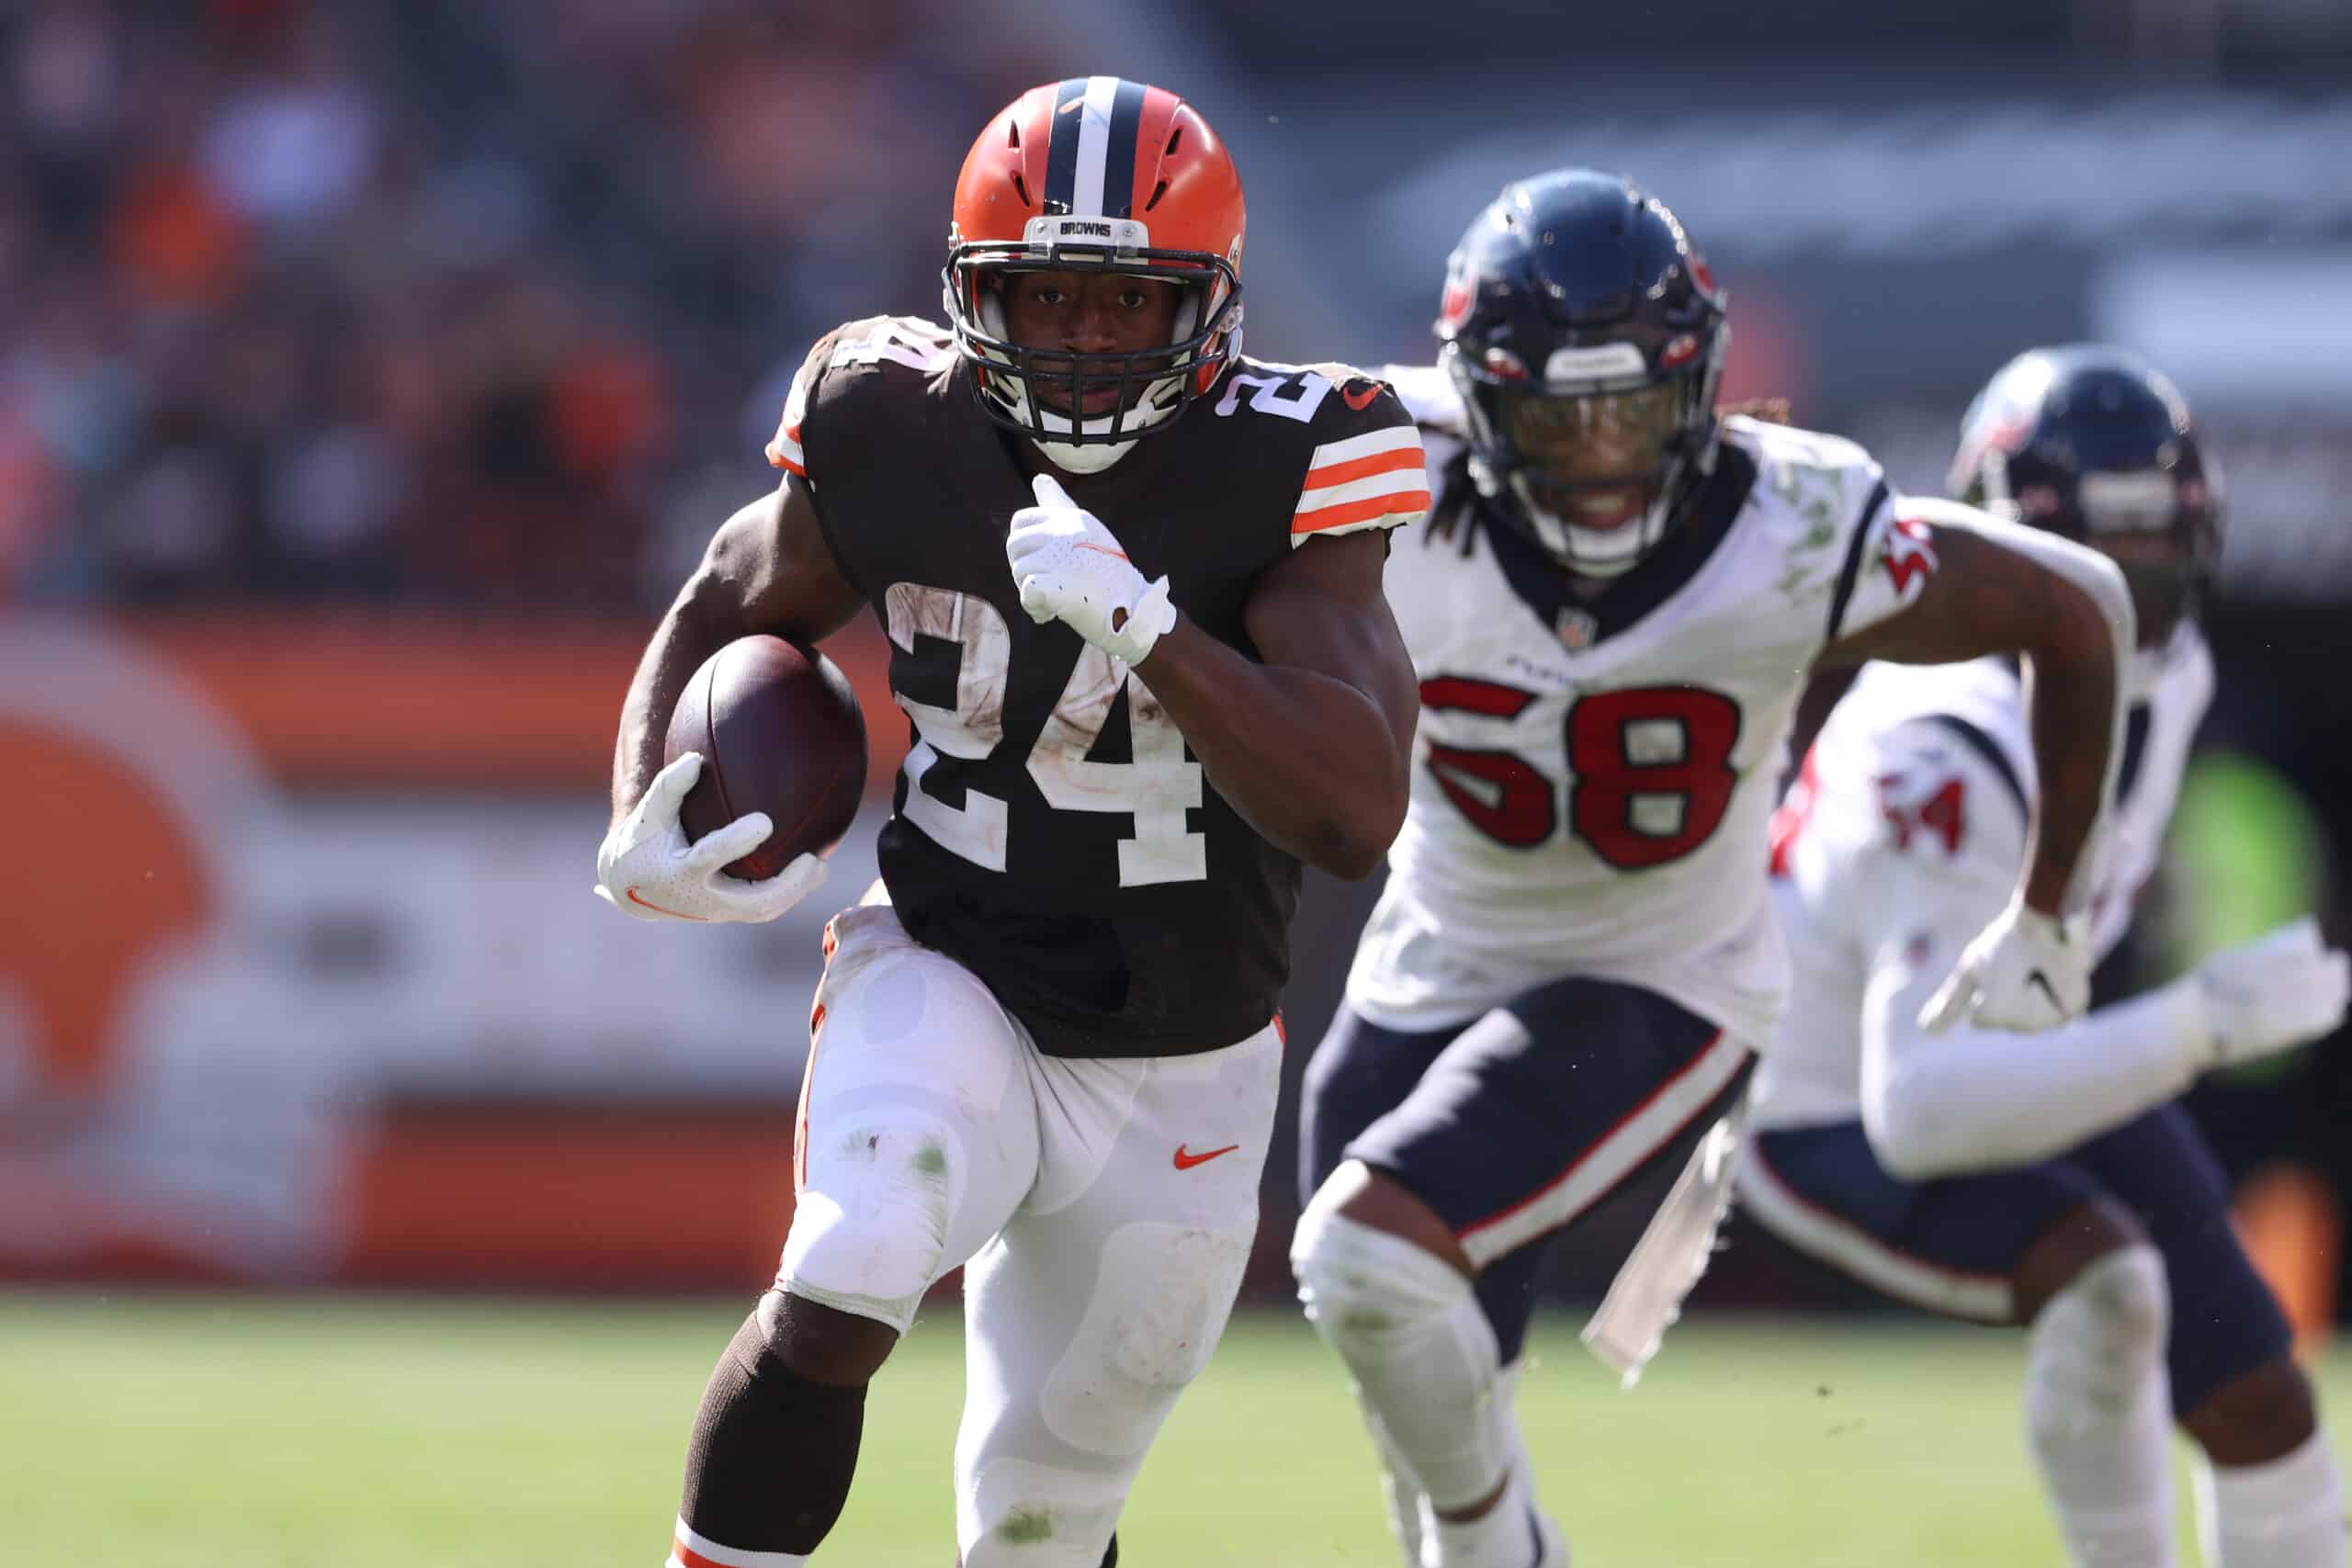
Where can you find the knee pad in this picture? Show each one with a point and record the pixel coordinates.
(869, 1231)
(1359, 1284)
(2097, 1343)
(1424, 1358)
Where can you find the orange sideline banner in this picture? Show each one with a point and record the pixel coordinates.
(361, 699)
(633, 1198)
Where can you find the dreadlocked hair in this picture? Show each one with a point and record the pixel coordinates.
(1455, 520)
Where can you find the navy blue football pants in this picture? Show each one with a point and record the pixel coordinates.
(1514, 1126)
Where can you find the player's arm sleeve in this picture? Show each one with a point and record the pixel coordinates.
(1885, 563)
(1979, 1099)
(785, 449)
(813, 409)
(2182, 696)
(1367, 472)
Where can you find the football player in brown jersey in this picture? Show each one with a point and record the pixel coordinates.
(1131, 581)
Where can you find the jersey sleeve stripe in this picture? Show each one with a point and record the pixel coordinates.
(784, 452)
(1699, 1084)
(1396, 438)
(1853, 568)
(1986, 747)
(1842, 1244)
(1400, 460)
(1322, 497)
(1373, 512)
(1334, 530)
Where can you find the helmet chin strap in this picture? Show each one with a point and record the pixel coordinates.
(1089, 459)
(1587, 552)
(1601, 552)
(1093, 456)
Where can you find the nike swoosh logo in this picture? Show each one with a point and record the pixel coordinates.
(2036, 977)
(648, 904)
(1187, 1161)
(1082, 544)
(1362, 401)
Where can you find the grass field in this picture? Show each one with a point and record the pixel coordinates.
(258, 1432)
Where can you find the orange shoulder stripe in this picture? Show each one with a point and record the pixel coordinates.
(1402, 504)
(1330, 474)
(784, 452)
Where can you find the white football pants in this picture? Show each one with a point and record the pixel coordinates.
(1105, 1206)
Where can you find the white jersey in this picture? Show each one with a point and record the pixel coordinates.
(1593, 778)
(1904, 834)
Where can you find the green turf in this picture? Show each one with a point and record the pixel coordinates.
(254, 1432)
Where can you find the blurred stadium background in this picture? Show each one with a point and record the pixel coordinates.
(371, 372)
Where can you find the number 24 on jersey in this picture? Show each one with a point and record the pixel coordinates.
(1158, 788)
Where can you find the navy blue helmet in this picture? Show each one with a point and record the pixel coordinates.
(1586, 339)
(2092, 443)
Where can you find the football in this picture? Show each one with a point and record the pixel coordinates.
(780, 731)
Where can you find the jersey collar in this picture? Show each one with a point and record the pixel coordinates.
(1581, 620)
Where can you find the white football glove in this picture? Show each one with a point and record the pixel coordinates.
(1070, 567)
(646, 868)
(2023, 972)
(2269, 994)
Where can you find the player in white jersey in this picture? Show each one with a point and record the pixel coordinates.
(1611, 614)
(2048, 1180)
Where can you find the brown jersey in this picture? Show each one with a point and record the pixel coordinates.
(1050, 831)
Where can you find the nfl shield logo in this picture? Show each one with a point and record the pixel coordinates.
(1576, 627)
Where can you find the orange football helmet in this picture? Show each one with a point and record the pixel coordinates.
(1096, 172)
